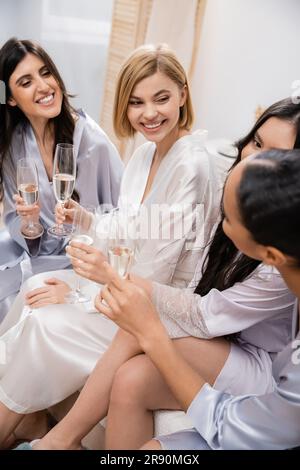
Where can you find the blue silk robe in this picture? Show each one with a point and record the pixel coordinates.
(99, 172)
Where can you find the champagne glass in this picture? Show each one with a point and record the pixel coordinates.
(83, 232)
(121, 241)
(64, 174)
(28, 188)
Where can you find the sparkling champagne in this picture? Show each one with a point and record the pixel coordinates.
(120, 258)
(29, 193)
(63, 185)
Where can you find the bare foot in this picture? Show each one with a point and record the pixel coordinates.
(50, 442)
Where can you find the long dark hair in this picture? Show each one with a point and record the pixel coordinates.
(224, 265)
(271, 212)
(11, 54)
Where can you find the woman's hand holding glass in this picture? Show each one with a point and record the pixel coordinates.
(64, 174)
(87, 261)
(128, 305)
(83, 236)
(65, 214)
(122, 240)
(27, 200)
(24, 211)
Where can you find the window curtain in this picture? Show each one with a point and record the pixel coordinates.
(129, 24)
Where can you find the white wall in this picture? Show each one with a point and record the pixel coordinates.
(76, 35)
(249, 55)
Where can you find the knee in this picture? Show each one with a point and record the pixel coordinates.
(46, 320)
(128, 386)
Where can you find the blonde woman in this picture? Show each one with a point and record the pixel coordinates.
(38, 115)
(63, 343)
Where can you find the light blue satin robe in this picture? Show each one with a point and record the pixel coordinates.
(266, 422)
(99, 172)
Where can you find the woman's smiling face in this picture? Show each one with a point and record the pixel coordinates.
(232, 224)
(275, 133)
(154, 107)
(34, 90)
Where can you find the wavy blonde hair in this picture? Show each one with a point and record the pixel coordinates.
(142, 63)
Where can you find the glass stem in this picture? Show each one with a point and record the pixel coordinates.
(30, 224)
(78, 284)
(61, 226)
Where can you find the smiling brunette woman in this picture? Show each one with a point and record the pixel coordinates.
(37, 115)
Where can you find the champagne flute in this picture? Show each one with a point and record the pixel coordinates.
(64, 174)
(83, 232)
(28, 188)
(121, 241)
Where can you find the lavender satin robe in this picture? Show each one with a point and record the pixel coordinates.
(266, 422)
(99, 172)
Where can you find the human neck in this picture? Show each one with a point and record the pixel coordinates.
(163, 147)
(41, 130)
(291, 275)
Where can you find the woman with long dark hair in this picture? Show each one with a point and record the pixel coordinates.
(262, 218)
(37, 116)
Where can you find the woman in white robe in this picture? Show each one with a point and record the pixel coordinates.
(173, 169)
(254, 302)
(98, 162)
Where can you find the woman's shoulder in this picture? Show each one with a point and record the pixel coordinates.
(192, 146)
(144, 149)
(196, 139)
(21, 129)
(18, 140)
(141, 154)
(266, 273)
(189, 156)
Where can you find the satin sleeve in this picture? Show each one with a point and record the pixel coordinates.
(266, 422)
(219, 313)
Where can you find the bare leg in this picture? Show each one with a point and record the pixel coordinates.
(18, 426)
(92, 403)
(9, 421)
(130, 416)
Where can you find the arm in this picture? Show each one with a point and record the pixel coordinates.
(271, 421)
(219, 313)
(131, 308)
